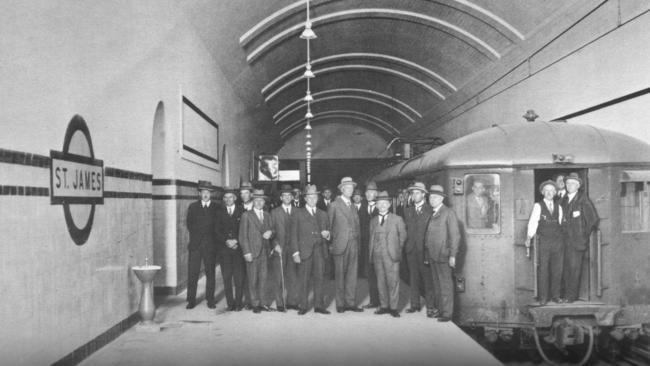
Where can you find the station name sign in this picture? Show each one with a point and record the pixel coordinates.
(76, 179)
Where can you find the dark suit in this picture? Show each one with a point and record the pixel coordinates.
(419, 273)
(281, 223)
(344, 228)
(202, 248)
(247, 293)
(251, 240)
(322, 205)
(306, 238)
(441, 241)
(581, 219)
(232, 260)
(367, 268)
(386, 244)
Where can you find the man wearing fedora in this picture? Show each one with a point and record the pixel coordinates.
(297, 200)
(344, 226)
(417, 217)
(255, 235)
(441, 242)
(325, 203)
(581, 219)
(546, 222)
(367, 211)
(231, 256)
(387, 237)
(281, 220)
(309, 235)
(246, 195)
(201, 218)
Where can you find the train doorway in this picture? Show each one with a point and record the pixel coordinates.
(542, 175)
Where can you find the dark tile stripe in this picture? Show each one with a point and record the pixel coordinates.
(174, 182)
(24, 191)
(127, 174)
(81, 353)
(113, 194)
(23, 158)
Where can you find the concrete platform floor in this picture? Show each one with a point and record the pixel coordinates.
(203, 336)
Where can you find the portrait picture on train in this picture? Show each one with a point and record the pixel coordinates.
(482, 203)
(268, 168)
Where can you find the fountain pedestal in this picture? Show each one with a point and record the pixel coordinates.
(147, 308)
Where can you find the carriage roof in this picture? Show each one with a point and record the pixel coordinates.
(526, 144)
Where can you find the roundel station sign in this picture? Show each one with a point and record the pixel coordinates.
(77, 180)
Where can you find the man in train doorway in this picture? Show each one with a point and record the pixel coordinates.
(546, 222)
(581, 219)
(561, 187)
(387, 237)
(255, 234)
(344, 226)
(231, 257)
(201, 219)
(478, 207)
(441, 242)
(367, 211)
(417, 217)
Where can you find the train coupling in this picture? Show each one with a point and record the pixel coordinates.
(566, 332)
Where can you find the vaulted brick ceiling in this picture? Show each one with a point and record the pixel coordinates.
(389, 65)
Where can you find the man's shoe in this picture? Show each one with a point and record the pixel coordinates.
(281, 309)
(340, 310)
(555, 300)
(231, 308)
(356, 309)
(239, 308)
(543, 302)
(190, 305)
(413, 310)
(433, 313)
(371, 306)
(569, 301)
(381, 311)
(321, 311)
(268, 308)
(212, 305)
(249, 307)
(257, 309)
(302, 311)
(444, 319)
(394, 313)
(292, 307)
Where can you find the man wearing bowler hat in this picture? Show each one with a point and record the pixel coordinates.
(546, 222)
(309, 235)
(255, 234)
(201, 218)
(281, 220)
(231, 256)
(417, 217)
(581, 219)
(344, 226)
(387, 237)
(441, 242)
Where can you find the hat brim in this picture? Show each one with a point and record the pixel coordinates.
(439, 193)
(413, 188)
(264, 197)
(353, 184)
(389, 199)
(579, 180)
(206, 189)
(311, 193)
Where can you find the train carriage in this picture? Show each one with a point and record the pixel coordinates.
(505, 165)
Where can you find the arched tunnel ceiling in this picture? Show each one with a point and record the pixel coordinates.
(388, 65)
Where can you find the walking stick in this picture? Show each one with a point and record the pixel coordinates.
(284, 301)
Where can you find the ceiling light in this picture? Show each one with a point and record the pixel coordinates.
(308, 97)
(308, 33)
(308, 73)
(308, 127)
(308, 143)
(308, 135)
(309, 114)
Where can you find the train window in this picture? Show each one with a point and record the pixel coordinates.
(482, 203)
(635, 201)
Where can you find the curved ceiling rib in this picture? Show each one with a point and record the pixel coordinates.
(376, 121)
(379, 56)
(339, 91)
(387, 70)
(358, 97)
(464, 6)
(409, 16)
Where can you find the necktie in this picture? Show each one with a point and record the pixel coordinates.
(260, 215)
(418, 209)
(550, 207)
(348, 203)
(287, 209)
(370, 209)
(312, 211)
(230, 211)
(382, 218)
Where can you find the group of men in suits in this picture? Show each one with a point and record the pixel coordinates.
(562, 222)
(288, 249)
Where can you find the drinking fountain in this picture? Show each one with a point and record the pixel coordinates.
(147, 308)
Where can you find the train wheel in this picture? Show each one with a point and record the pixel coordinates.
(587, 355)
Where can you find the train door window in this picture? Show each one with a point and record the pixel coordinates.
(482, 203)
(635, 201)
